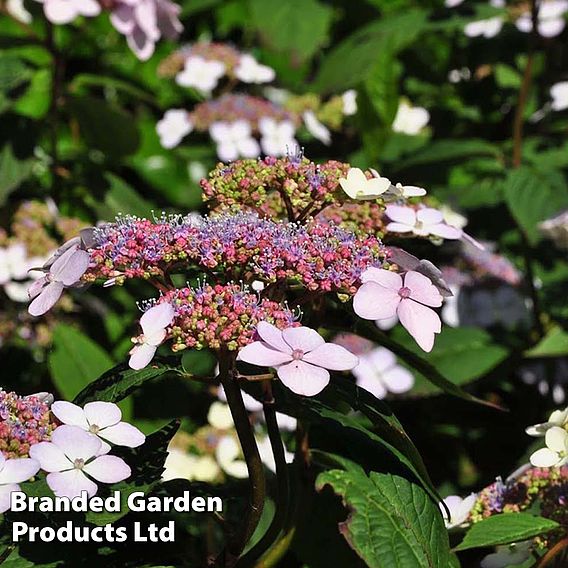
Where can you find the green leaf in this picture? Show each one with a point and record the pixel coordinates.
(463, 354)
(13, 72)
(504, 529)
(75, 360)
(531, 198)
(36, 100)
(417, 362)
(105, 127)
(392, 521)
(387, 432)
(120, 381)
(298, 27)
(122, 198)
(13, 172)
(356, 57)
(553, 344)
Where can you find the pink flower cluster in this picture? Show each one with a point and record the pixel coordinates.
(364, 216)
(275, 187)
(545, 486)
(24, 421)
(220, 316)
(241, 246)
(233, 107)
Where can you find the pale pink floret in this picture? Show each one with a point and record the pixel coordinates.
(154, 323)
(300, 356)
(65, 11)
(385, 294)
(66, 271)
(422, 222)
(72, 459)
(102, 419)
(12, 472)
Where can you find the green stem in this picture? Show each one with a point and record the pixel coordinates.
(280, 513)
(234, 547)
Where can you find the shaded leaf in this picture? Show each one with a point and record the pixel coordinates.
(504, 529)
(392, 521)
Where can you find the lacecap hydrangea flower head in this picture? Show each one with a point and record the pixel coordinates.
(264, 248)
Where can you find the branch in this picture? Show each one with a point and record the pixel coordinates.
(230, 554)
(282, 498)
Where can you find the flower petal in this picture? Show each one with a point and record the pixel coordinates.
(303, 378)
(545, 458)
(18, 470)
(421, 322)
(123, 434)
(5, 496)
(332, 356)
(141, 355)
(75, 443)
(273, 336)
(108, 469)
(46, 299)
(422, 289)
(259, 353)
(401, 214)
(556, 439)
(157, 318)
(102, 414)
(381, 358)
(50, 457)
(303, 338)
(398, 379)
(71, 483)
(375, 302)
(70, 266)
(444, 231)
(386, 278)
(429, 216)
(70, 414)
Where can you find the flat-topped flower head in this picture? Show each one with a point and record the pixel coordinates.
(24, 421)
(357, 186)
(72, 459)
(423, 222)
(66, 271)
(13, 472)
(300, 356)
(385, 294)
(153, 323)
(101, 419)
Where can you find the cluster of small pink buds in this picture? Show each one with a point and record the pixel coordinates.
(221, 316)
(362, 217)
(290, 187)
(233, 107)
(241, 246)
(24, 421)
(545, 486)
